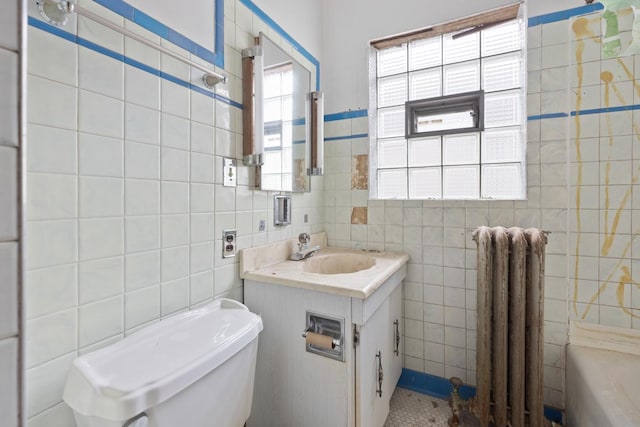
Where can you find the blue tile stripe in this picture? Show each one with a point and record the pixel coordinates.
(219, 33)
(606, 110)
(149, 23)
(340, 138)
(351, 114)
(547, 116)
(441, 388)
(36, 23)
(564, 14)
(277, 28)
(346, 115)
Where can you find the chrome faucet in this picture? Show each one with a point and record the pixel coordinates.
(304, 251)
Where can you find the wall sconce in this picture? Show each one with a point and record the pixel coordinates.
(315, 132)
(210, 80)
(252, 115)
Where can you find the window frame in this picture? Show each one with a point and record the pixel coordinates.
(487, 188)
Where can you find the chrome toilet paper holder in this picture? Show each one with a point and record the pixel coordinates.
(324, 335)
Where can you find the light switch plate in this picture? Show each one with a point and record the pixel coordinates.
(229, 172)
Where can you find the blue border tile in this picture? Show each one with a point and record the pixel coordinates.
(56, 31)
(120, 7)
(441, 388)
(547, 116)
(605, 110)
(351, 114)
(277, 28)
(150, 24)
(341, 138)
(36, 23)
(564, 14)
(129, 12)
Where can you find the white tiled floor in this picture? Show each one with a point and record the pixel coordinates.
(411, 409)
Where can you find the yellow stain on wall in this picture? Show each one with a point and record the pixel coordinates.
(580, 28)
(621, 271)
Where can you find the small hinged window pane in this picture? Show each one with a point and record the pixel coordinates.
(446, 114)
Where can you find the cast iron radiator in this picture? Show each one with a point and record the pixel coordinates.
(509, 359)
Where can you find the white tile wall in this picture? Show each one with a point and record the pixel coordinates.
(9, 383)
(439, 298)
(9, 101)
(598, 251)
(125, 216)
(9, 291)
(126, 203)
(11, 333)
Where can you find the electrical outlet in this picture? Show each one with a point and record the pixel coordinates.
(262, 225)
(228, 243)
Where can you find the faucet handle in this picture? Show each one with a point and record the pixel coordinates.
(304, 238)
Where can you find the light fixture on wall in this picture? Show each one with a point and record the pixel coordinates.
(315, 132)
(55, 13)
(211, 80)
(252, 113)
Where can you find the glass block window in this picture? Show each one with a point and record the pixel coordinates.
(427, 91)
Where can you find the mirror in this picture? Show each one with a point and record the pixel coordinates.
(284, 90)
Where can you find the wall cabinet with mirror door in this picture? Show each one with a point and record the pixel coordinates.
(277, 117)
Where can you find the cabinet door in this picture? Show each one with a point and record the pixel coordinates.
(372, 355)
(394, 369)
(295, 388)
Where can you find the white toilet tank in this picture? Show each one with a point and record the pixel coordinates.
(194, 369)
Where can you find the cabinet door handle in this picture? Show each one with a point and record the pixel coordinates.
(380, 374)
(397, 348)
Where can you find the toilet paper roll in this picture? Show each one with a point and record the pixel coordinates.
(318, 340)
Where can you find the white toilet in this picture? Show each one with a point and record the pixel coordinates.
(195, 369)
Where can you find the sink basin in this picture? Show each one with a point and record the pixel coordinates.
(338, 263)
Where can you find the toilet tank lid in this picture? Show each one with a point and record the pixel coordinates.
(144, 369)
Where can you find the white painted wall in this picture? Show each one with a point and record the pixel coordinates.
(199, 27)
(302, 19)
(349, 26)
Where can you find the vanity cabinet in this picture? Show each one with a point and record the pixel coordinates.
(294, 387)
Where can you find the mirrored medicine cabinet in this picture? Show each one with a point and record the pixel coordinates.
(280, 118)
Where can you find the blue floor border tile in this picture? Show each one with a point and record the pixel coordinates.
(439, 387)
